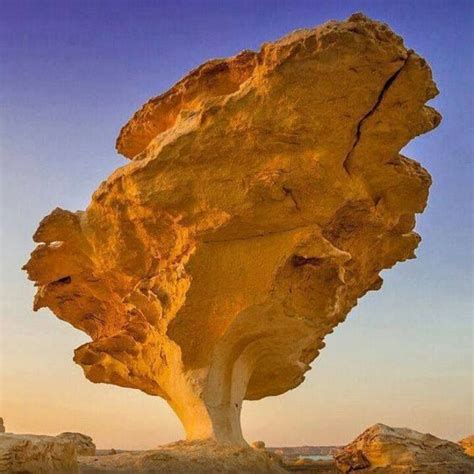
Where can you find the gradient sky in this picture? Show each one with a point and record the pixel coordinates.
(73, 72)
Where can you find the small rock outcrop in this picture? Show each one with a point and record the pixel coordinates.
(468, 445)
(24, 453)
(381, 448)
(258, 445)
(196, 457)
(2, 426)
(84, 444)
(265, 194)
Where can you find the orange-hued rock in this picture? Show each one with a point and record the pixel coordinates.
(468, 445)
(381, 448)
(265, 195)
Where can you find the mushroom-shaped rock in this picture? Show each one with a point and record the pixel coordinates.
(265, 195)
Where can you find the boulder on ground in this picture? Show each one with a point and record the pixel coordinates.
(84, 444)
(394, 450)
(258, 445)
(25, 453)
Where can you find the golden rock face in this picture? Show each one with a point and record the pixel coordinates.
(265, 194)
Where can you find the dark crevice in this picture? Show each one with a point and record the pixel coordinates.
(372, 110)
(298, 261)
(62, 281)
(289, 192)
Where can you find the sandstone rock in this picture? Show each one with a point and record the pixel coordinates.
(384, 449)
(84, 444)
(197, 457)
(265, 195)
(258, 445)
(351, 461)
(36, 454)
(468, 445)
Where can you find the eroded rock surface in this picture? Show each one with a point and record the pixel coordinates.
(35, 454)
(265, 194)
(84, 444)
(381, 448)
(468, 445)
(197, 457)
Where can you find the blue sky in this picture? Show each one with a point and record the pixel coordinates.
(73, 72)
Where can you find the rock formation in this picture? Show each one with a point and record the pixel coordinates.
(381, 448)
(2, 426)
(84, 444)
(264, 196)
(183, 457)
(23, 453)
(258, 445)
(468, 445)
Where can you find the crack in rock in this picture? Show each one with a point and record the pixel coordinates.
(372, 110)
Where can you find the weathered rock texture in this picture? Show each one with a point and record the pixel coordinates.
(265, 194)
(468, 445)
(24, 453)
(381, 448)
(84, 444)
(197, 457)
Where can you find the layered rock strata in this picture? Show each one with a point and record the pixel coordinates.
(265, 194)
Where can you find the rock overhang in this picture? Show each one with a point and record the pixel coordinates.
(265, 195)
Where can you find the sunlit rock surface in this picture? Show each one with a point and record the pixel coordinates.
(381, 448)
(265, 194)
(185, 457)
(468, 445)
(27, 453)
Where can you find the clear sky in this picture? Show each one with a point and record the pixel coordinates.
(73, 72)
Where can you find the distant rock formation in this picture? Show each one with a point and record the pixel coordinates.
(265, 195)
(468, 445)
(84, 444)
(296, 451)
(381, 448)
(24, 453)
(2, 426)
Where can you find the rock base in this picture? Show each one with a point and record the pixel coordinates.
(182, 457)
